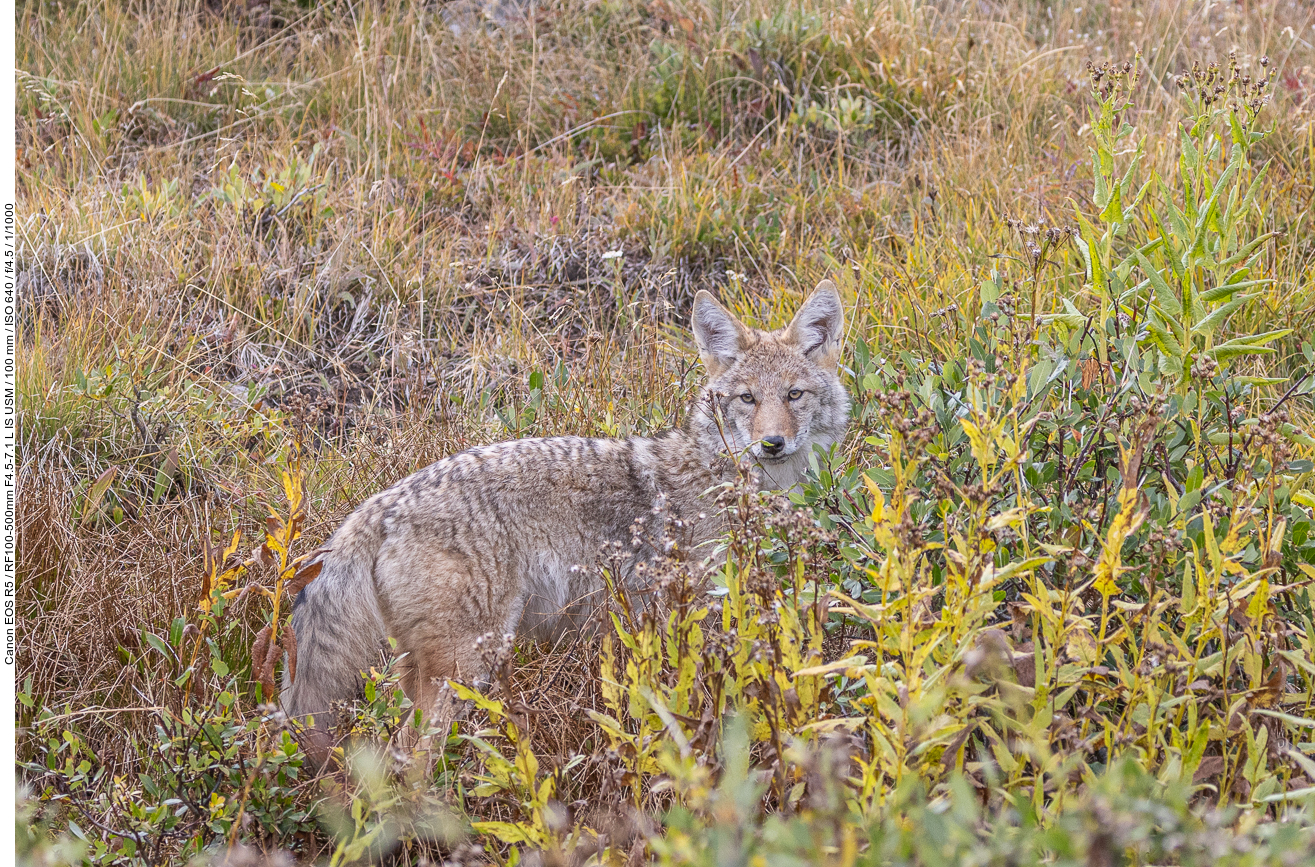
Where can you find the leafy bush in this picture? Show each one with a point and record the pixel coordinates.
(711, 71)
(210, 774)
(1078, 552)
(215, 776)
(1122, 816)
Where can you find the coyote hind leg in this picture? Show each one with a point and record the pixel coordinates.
(434, 609)
(425, 682)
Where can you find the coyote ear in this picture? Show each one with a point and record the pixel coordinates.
(819, 326)
(720, 336)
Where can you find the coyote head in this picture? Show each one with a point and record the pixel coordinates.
(772, 395)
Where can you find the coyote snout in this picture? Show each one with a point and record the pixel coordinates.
(504, 538)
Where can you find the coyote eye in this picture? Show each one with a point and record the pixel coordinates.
(795, 394)
(746, 397)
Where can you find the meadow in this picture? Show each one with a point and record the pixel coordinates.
(1048, 603)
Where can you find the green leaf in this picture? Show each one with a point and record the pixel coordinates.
(1072, 320)
(1145, 249)
(1260, 380)
(1254, 189)
(1126, 182)
(158, 643)
(1250, 344)
(1236, 130)
(1113, 212)
(1224, 353)
(1297, 435)
(1216, 318)
(1171, 257)
(1101, 195)
(1085, 241)
(1177, 225)
(1190, 158)
(1207, 209)
(1219, 293)
(1164, 296)
(1189, 213)
(1246, 252)
(1164, 339)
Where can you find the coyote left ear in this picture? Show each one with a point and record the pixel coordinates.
(819, 326)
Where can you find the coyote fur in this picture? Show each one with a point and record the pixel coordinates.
(503, 538)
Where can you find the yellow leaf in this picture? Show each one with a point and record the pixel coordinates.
(851, 723)
(1125, 523)
(232, 546)
(507, 832)
(1258, 607)
(878, 500)
(1081, 646)
(833, 667)
(1276, 537)
(979, 442)
(96, 493)
(1211, 543)
(1187, 604)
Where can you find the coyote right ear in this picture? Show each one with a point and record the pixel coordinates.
(720, 336)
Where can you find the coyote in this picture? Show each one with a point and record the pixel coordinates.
(503, 538)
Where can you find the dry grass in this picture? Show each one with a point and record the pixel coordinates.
(372, 222)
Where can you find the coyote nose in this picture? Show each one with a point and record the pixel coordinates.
(773, 445)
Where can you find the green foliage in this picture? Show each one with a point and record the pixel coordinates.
(209, 772)
(539, 817)
(1074, 573)
(381, 808)
(787, 66)
(215, 775)
(1196, 251)
(1123, 816)
(39, 842)
(292, 197)
(700, 214)
(386, 800)
(518, 417)
(152, 202)
(149, 434)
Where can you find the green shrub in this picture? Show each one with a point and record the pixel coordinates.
(1076, 563)
(788, 65)
(210, 774)
(1122, 816)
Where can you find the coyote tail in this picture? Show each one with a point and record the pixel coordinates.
(337, 622)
